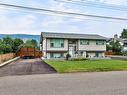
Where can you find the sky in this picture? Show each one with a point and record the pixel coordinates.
(14, 21)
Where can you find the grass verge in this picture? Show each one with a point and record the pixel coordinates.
(88, 65)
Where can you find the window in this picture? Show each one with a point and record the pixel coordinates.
(57, 43)
(100, 42)
(125, 44)
(61, 55)
(96, 54)
(51, 44)
(84, 42)
(51, 55)
(62, 44)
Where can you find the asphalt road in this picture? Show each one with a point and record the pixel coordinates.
(26, 67)
(101, 83)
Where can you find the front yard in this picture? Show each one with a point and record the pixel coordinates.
(88, 65)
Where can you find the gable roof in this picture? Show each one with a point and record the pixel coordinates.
(72, 36)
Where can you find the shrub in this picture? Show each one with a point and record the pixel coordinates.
(68, 56)
(125, 53)
(79, 59)
(118, 53)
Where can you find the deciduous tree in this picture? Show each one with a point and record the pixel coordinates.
(124, 33)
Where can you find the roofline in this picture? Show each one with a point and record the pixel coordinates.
(68, 33)
(104, 38)
(74, 38)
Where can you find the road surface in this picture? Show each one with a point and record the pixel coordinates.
(26, 67)
(98, 83)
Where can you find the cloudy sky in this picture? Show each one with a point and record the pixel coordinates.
(13, 21)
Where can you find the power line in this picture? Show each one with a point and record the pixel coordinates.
(83, 19)
(95, 4)
(61, 12)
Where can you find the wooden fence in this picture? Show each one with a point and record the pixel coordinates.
(29, 52)
(4, 57)
(109, 53)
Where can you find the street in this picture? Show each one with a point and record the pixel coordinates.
(97, 83)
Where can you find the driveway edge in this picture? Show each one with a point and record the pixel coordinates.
(9, 61)
(49, 65)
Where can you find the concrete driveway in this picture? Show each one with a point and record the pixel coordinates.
(102, 83)
(26, 67)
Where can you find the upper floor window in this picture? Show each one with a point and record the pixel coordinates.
(125, 44)
(84, 42)
(100, 42)
(57, 43)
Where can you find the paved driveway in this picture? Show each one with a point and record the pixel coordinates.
(26, 67)
(102, 83)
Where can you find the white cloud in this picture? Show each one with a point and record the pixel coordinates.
(117, 2)
(23, 24)
(57, 20)
(52, 21)
(4, 10)
(28, 23)
(34, 24)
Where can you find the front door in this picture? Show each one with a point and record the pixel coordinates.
(97, 54)
(71, 50)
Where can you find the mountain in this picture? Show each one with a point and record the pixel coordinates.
(24, 37)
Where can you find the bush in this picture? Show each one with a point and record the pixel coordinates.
(79, 59)
(68, 56)
(125, 53)
(118, 53)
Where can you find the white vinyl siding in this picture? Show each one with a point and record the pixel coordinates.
(56, 55)
(92, 46)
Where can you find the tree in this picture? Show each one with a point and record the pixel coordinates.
(124, 33)
(1, 47)
(16, 43)
(108, 47)
(8, 44)
(0, 40)
(8, 41)
(32, 43)
(115, 46)
(5, 48)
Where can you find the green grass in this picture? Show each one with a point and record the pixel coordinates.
(88, 66)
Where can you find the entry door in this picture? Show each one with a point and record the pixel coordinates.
(97, 54)
(71, 51)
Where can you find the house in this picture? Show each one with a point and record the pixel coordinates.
(57, 45)
(122, 41)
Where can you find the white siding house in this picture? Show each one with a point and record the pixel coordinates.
(57, 45)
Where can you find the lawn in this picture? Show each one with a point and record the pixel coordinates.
(88, 65)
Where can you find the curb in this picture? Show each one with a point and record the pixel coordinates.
(9, 61)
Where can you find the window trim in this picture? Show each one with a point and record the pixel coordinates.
(88, 42)
(98, 42)
(61, 44)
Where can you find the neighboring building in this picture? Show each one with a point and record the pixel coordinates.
(123, 42)
(125, 45)
(57, 45)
